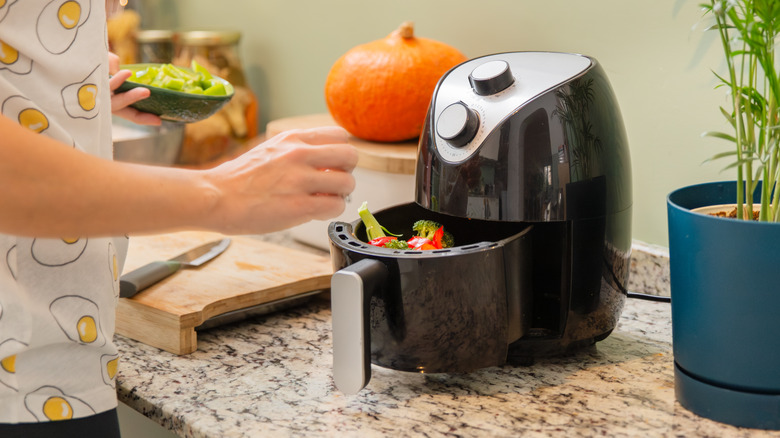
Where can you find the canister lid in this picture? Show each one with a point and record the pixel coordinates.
(154, 36)
(208, 37)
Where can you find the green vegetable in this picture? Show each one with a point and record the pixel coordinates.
(200, 69)
(217, 89)
(172, 83)
(427, 229)
(447, 241)
(373, 229)
(195, 81)
(430, 234)
(396, 244)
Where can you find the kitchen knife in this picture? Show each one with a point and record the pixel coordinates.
(139, 279)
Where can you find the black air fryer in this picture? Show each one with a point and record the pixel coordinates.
(524, 159)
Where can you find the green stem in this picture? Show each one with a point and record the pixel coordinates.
(776, 197)
(736, 98)
(769, 169)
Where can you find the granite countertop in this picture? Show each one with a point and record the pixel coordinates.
(271, 376)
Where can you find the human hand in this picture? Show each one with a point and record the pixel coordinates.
(290, 179)
(120, 102)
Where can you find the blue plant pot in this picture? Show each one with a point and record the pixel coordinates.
(725, 285)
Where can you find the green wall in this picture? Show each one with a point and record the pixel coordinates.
(656, 54)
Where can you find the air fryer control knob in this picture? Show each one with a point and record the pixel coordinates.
(457, 124)
(491, 77)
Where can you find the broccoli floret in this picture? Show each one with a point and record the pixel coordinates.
(447, 241)
(397, 244)
(427, 228)
(373, 229)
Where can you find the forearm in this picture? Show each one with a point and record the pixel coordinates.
(51, 190)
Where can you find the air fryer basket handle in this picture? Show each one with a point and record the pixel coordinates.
(351, 290)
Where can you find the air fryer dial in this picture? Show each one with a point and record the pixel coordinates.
(458, 124)
(491, 77)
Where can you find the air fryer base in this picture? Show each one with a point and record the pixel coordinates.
(581, 329)
(525, 352)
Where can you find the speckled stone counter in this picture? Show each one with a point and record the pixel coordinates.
(271, 376)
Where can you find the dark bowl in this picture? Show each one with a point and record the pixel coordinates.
(176, 106)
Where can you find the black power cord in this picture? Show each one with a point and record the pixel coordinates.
(649, 297)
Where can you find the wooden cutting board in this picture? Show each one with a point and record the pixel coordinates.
(383, 157)
(249, 273)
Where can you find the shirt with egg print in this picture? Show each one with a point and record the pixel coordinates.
(57, 296)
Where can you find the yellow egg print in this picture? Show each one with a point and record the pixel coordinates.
(24, 111)
(87, 96)
(79, 319)
(8, 55)
(33, 120)
(5, 6)
(69, 14)
(87, 329)
(59, 22)
(49, 403)
(8, 363)
(57, 408)
(11, 59)
(80, 98)
(109, 364)
(57, 252)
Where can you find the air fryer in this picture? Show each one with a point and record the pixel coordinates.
(524, 158)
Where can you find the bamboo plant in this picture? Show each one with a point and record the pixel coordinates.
(748, 33)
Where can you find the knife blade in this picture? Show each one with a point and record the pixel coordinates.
(139, 279)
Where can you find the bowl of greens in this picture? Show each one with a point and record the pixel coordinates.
(178, 94)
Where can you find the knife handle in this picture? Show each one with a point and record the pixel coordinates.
(145, 276)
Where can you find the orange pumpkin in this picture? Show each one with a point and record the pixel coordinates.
(380, 91)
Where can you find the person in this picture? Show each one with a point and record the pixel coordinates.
(63, 201)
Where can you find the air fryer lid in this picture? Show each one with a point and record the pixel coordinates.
(524, 136)
(492, 87)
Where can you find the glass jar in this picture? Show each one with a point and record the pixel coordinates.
(155, 46)
(236, 122)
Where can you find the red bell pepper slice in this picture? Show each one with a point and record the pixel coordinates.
(437, 237)
(418, 242)
(381, 241)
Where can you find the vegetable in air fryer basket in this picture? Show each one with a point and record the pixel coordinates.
(429, 234)
(373, 229)
(434, 232)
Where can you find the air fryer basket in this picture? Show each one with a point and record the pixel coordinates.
(467, 232)
(450, 310)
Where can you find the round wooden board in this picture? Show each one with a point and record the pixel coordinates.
(383, 157)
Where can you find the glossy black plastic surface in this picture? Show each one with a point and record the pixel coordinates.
(446, 310)
(561, 163)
